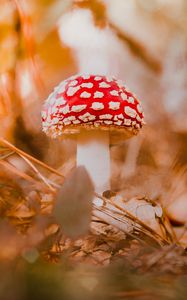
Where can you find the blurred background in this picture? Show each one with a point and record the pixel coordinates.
(142, 42)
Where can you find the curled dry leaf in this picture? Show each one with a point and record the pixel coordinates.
(129, 216)
(74, 204)
(145, 211)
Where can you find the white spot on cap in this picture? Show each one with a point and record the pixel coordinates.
(49, 119)
(97, 78)
(130, 112)
(64, 110)
(73, 83)
(61, 87)
(138, 118)
(66, 121)
(97, 105)
(88, 85)
(119, 122)
(72, 90)
(108, 122)
(77, 108)
(98, 95)
(60, 101)
(107, 116)
(139, 108)
(98, 123)
(85, 95)
(55, 120)
(71, 118)
(87, 117)
(104, 85)
(114, 105)
(51, 99)
(45, 126)
(114, 93)
(123, 96)
(127, 122)
(131, 100)
(117, 117)
(54, 110)
(76, 122)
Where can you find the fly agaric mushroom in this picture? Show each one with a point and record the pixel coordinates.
(95, 109)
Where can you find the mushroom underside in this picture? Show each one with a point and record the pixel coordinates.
(116, 134)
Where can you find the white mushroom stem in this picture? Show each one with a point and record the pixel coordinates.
(93, 153)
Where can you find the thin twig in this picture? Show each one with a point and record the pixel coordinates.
(138, 49)
(133, 218)
(16, 171)
(20, 152)
(6, 155)
(27, 30)
(38, 173)
(118, 219)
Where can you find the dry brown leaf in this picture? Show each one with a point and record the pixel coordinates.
(74, 204)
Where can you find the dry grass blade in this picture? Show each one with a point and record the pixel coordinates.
(17, 172)
(6, 155)
(138, 49)
(134, 219)
(31, 158)
(121, 212)
(29, 41)
(120, 220)
(38, 173)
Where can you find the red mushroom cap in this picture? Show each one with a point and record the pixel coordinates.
(91, 102)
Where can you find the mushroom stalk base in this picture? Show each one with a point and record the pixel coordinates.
(93, 153)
